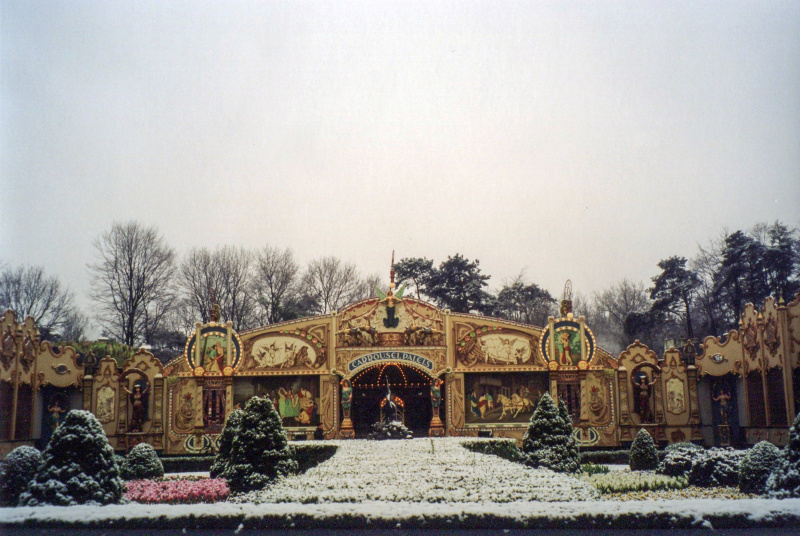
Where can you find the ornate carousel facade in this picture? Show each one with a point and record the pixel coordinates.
(449, 374)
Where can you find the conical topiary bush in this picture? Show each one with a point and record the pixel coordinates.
(259, 451)
(784, 481)
(78, 466)
(644, 456)
(549, 442)
(229, 431)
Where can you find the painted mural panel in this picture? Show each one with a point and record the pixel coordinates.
(600, 409)
(281, 352)
(492, 345)
(676, 396)
(212, 356)
(105, 409)
(296, 398)
(503, 398)
(567, 343)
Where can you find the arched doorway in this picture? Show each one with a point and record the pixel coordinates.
(410, 385)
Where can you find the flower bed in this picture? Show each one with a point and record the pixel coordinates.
(626, 481)
(177, 490)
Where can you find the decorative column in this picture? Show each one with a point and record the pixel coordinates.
(437, 427)
(158, 412)
(346, 431)
(694, 406)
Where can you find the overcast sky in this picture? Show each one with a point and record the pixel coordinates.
(581, 140)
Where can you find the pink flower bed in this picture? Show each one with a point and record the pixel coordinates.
(177, 491)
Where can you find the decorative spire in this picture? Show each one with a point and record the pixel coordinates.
(566, 302)
(391, 275)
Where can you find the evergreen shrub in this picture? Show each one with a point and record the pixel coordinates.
(644, 456)
(78, 466)
(141, 462)
(504, 448)
(784, 481)
(16, 471)
(716, 467)
(229, 432)
(259, 450)
(390, 430)
(756, 467)
(683, 445)
(549, 442)
(678, 460)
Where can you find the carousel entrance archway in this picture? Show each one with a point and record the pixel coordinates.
(411, 392)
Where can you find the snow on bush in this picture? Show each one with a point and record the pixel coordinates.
(784, 481)
(716, 467)
(390, 430)
(756, 467)
(259, 451)
(644, 456)
(177, 491)
(78, 466)
(16, 471)
(419, 470)
(682, 445)
(229, 432)
(549, 442)
(141, 462)
(678, 460)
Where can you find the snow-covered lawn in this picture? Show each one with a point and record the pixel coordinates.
(420, 470)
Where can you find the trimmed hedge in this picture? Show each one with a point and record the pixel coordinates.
(504, 448)
(187, 464)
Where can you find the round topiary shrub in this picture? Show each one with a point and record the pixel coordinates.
(141, 462)
(78, 466)
(16, 471)
(756, 467)
(678, 460)
(644, 456)
(716, 467)
(784, 481)
(229, 432)
(260, 451)
(549, 442)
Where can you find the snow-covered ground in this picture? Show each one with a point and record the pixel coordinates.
(421, 470)
(421, 483)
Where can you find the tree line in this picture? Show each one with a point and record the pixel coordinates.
(143, 293)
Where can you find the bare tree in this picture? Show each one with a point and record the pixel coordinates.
(225, 277)
(30, 292)
(331, 284)
(617, 302)
(276, 284)
(131, 282)
(198, 280)
(236, 278)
